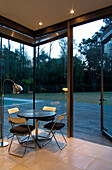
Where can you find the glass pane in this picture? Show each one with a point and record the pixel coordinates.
(107, 72)
(51, 77)
(17, 68)
(87, 78)
(0, 89)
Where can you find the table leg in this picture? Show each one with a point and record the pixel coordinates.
(36, 131)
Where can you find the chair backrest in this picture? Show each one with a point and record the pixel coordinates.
(49, 108)
(13, 120)
(13, 110)
(60, 117)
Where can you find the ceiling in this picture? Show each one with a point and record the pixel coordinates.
(30, 12)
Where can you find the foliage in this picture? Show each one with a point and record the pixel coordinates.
(51, 74)
(17, 67)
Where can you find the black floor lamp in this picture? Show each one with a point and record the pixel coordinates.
(16, 89)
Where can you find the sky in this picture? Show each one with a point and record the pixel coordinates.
(87, 30)
(84, 31)
(79, 32)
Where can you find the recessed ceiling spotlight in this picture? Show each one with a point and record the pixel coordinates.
(40, 23)
(72, 11)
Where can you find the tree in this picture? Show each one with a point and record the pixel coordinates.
(78, 76)
(13, 66)
(90, 48)
(63, 55)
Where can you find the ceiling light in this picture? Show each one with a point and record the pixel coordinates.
(72, 11)
(40, 23)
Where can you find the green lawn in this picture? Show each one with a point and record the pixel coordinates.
(82, 97)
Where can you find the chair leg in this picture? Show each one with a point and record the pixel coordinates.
(25, 146)
(10, 144)
(57, 141)
(24, 143)
(63, 136)
(21, 141)
(8, 137)
(49, 139)
(10, 148)
(53, 135)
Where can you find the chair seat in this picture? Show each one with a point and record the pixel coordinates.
(57, 126)
(21, 129)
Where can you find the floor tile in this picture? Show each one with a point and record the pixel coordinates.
(77, 155)
(19, 167)
(89, 149)
(63, 166)
(6, 163)
(106, 154)
(100, 165)
(42, 160)
(78, 160)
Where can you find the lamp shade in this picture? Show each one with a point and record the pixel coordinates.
(17, 88)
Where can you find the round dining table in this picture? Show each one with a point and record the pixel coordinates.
(41, 115)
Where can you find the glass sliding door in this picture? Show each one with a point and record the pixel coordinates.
(88, 119)
(87, 68)
(107, 82)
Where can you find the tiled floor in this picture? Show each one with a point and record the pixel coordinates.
(77, 155)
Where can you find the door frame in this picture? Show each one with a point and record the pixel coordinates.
(106, 36)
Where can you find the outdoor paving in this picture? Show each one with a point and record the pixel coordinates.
(86, 119)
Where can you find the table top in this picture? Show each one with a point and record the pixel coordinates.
(35, 114)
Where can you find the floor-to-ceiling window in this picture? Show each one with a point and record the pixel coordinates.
(17, 66)
(87, 80)
(51, 76)
(86, 75)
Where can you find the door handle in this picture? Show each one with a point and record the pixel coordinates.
(101, 100)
